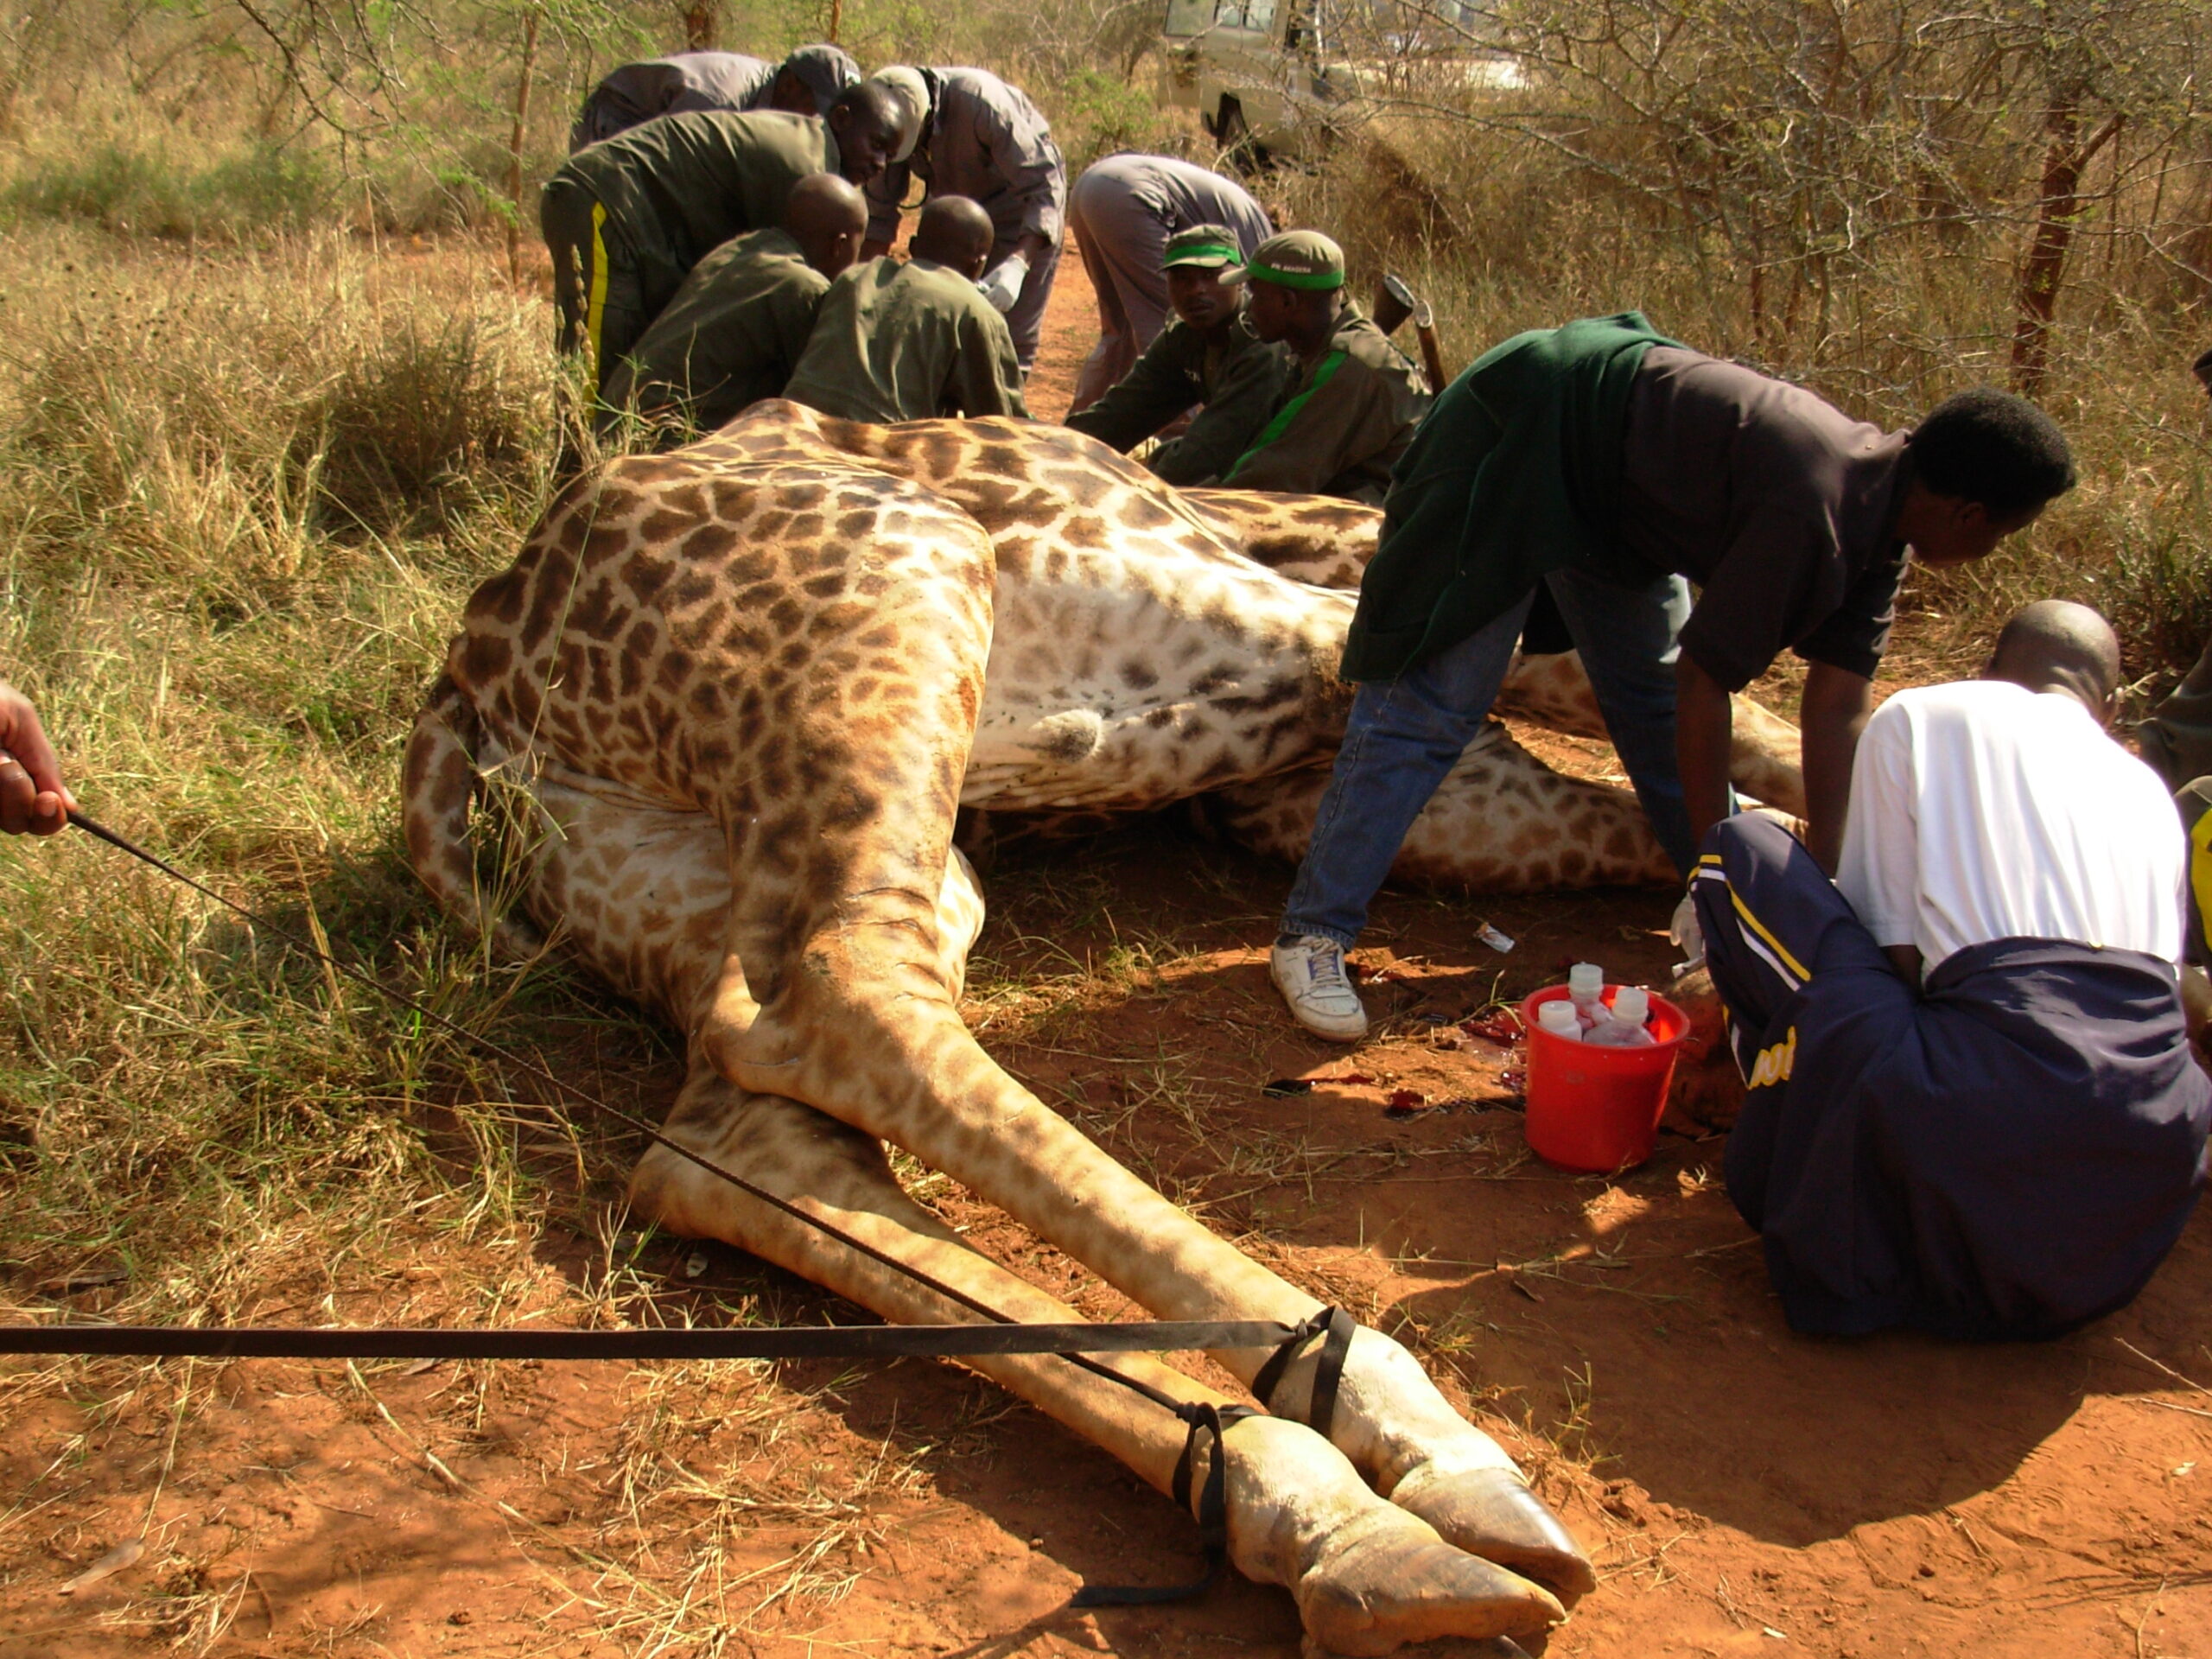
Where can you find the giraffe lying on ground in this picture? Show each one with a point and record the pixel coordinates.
(743, 688)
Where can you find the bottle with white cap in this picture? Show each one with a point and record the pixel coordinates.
(1586, 989)
(1559, 1019)
(1623, 1027)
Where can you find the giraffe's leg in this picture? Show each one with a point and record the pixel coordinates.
(1764, 758)
(834, 916)
(1366, 1574)
(1502, 821)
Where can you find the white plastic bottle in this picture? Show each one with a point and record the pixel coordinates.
(1561, 1020)
(1586, 988)
(1623, 1027)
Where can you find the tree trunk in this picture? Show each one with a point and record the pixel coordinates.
(514, 148)
(2058, 206)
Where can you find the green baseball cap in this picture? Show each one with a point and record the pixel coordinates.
(1212, 245)
(1303, 259)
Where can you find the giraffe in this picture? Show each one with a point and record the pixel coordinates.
(741, 690)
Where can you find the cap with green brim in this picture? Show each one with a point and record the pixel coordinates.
(1303, 259)
(1210, 246)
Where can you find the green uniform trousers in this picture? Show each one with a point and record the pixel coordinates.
(595, 285)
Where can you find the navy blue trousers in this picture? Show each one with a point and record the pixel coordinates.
(2009, 1154)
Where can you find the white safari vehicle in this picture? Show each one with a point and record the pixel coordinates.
(1254, 71)
(1284, 77)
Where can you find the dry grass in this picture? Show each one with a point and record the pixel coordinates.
(246, 496)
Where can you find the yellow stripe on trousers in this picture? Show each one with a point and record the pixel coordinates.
(1773, 944)
(595, 312)
(2200, 871)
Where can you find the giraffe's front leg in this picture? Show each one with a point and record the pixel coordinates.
(1367, 1575)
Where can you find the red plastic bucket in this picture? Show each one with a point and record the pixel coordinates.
(1597, 1109)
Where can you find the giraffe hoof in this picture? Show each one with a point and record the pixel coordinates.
(1388, 1580)
(1491, 1513)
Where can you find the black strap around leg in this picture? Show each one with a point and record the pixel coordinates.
(1211, 1421)
(1335, 1327)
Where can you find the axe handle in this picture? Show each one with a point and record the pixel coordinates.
(1431, 354)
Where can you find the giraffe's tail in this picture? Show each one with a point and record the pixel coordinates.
(438, 791)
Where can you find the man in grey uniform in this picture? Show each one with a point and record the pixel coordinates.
(914, 342)
(1122, 214)
(969, 134)
(803, 84)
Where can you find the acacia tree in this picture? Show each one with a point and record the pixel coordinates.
(1793, 143)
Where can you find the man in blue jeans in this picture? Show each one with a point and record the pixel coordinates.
(1613, 467)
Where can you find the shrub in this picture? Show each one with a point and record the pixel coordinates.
(126, 188)
(423, 422)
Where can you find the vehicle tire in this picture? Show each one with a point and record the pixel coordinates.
(1235, 137)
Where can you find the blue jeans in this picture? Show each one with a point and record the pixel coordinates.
(1405, 735)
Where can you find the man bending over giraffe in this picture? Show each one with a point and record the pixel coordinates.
(1606, 463)
(1973, 1106)
(625, 219)
(913, 341)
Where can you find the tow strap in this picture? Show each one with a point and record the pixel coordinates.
(740, 1341)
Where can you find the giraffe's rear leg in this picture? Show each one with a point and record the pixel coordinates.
(1765, 760)
(1367, 1575)
(1501, 821)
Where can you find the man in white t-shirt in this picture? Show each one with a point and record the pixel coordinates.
(1972, 1103)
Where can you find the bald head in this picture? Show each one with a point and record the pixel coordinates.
(2057, 645)
(955, 232)
(827, 218)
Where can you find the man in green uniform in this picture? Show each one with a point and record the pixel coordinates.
(627, 220)
(914, 342)
(736, 328)
(1207, 355)
(1352, 410)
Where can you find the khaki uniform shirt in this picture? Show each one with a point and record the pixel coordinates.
(986, 141)
(1240, 380)
(907, 342)
(731, 335)
(1342, 424)
(679, 186)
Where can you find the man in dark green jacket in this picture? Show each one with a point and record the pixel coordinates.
(1606, 463)
(1353, 403)
(1207, 355)
(736, 328)
(625, 220)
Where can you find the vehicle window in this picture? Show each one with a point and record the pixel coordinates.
(1191, 16)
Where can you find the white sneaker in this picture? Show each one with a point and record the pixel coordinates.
(1311, 976)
